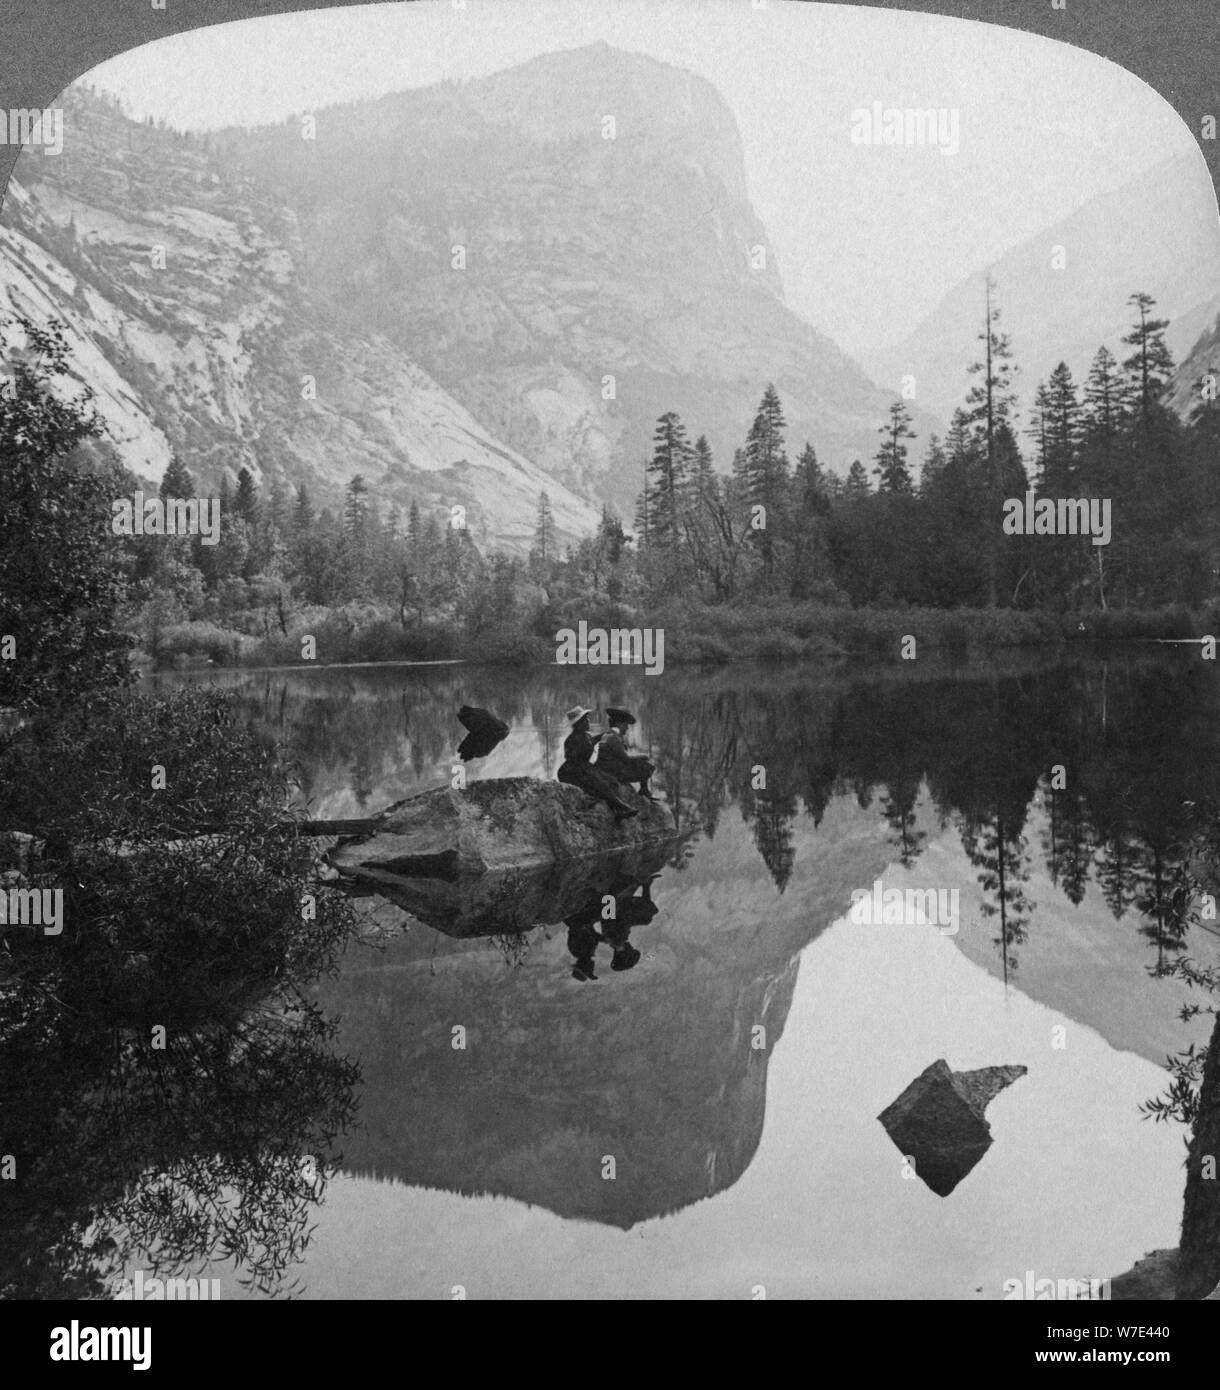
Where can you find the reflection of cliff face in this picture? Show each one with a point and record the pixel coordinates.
(653, 1068)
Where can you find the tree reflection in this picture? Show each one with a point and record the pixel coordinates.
(1193, 1093)
(215, 1148)
(778, 744)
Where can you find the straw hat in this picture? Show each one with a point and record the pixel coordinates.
(576, 713)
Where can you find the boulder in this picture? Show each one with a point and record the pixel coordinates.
(938, 1120)
(481, 721)
(501, 823)
(485, 732)
(1155, 1277)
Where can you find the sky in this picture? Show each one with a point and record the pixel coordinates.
(868, 238)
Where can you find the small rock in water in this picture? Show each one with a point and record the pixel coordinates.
(485, 732)
(938, 1120)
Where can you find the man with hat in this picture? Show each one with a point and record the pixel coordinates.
(614, 756)
(578, 770)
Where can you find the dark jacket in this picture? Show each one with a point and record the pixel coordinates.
(614, 759)
(578, 746)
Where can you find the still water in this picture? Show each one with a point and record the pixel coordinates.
(705, 1123)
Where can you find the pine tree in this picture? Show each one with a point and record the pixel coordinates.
(991, 400)
(1151, 364)
(934, 462)
(356, 509)
(703, 480)
(277, 507)
(177, 481)
(643, 536)
(246, 501)
(812, 498)
(669, 474)
(302, 513)
(763, 477)
(1062, 410)
(812, 490)
(543, 552)
(857, 485)
(356, 536)
(1104, 396)
(958, 444)
(893, 473)
(1038, 432)
(610, 531)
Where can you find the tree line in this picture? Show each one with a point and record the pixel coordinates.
(883, 536)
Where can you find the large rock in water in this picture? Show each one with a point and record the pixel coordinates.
(501, 823)
(939, 1122)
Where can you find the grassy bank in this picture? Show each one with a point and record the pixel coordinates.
(693, 633)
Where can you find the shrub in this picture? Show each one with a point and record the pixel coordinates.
(180, 901)
(204, 640)
(510, 648)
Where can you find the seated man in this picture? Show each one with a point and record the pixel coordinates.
(614, 755)
(577, 767)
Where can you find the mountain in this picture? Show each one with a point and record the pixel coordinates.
(587, 258)
(1203, 357)
(1155, 233)
(189, 313)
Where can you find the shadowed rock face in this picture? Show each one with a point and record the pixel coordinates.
(503, 823)
(939, 1122)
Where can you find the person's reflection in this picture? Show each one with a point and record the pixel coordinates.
(633, 907)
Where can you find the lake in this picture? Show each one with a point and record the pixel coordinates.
(704, 1123)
